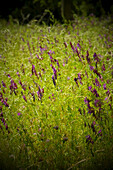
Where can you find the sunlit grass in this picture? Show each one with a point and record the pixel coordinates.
(56, 95)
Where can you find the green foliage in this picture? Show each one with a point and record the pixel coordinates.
(50, 116)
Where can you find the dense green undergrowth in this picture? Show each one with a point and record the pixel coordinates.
(56, 95)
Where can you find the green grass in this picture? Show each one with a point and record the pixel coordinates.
(45, 122)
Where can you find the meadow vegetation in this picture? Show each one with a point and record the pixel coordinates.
(56, 93)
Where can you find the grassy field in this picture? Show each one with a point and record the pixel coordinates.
(56, 93)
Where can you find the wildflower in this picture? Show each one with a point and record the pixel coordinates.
(100, 132)
(89, 139)
(91, 67)
(104, 86)
(65, 44)
(24, 98)
(53, 78)
(58, 63)
(72, 46)
(4, 85)
(95, 92)
(6, 104)
(96, 57)
(78, 45)
(92, 126)
(1, 114)
(108, 92)
(6, 126)
(87, 57)
(103, 67)
(20, 82)
(106, 98)
(56, 127)
(86, 100)
(75, 79)
(40, 91)
(97, 82)
(18, 113)
(13, 85)
(33, 68)
(80, 111)
(18, 74)
(97, 103)
(90, 87)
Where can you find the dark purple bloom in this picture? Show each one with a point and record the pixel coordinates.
(1, 114)
(78, 45)
(108, 92)
(86, 100)
(9, 75)
(18, 74)
(97, 82)
(100, 132)
(87, 57)
(20, 82)
(3, 120)
(65, 44)
(4, 85)
(72, 46)
(23, 39)
(89, 139)
(58, 63)
(80, 111)
(24, 97)
(106, 98)
(54, 71)
(93, 127)
(97, 103)
(6, 126)
(96, 57)
(75, 79)
(19, 114)
(40, 91)
(104, 86)
(95, 92)
(33, 68)
(53, 78)
(91, 67)
(90, 87)
(103, 67)
(79, 77)
(6, 104)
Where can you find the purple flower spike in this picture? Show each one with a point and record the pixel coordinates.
(78, 45)
(95, 92)
(97, 82)
(91, 67)
(89, 139)
(96, 57)
(103, 67)
(87, 57)
(104, 86)
(19, 114)
(86, 100)
(53, 80)
(90, 87)
(72, 46)
(33, 68)
(6, 104)
(65, 44)
(100, 132)
(4, 85)
(24, 98)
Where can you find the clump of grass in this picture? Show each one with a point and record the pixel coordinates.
(56, 95)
